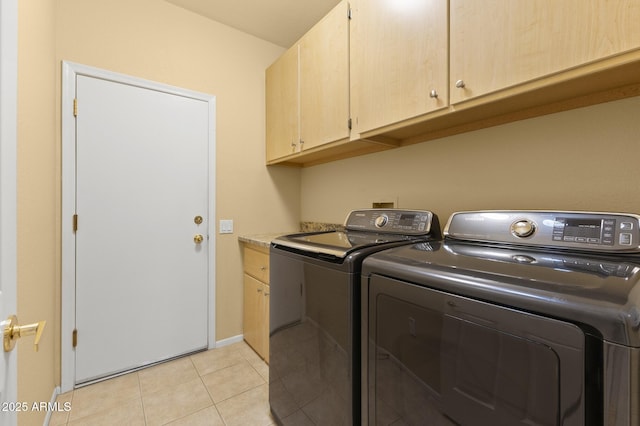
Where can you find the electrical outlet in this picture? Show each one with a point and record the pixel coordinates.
(226, 226)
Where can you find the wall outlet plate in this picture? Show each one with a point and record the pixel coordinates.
(388, 201)
(383, 205)
(226, 226)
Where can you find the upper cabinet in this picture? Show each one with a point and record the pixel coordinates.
(407, 71)
(307, 90)
(324, 80)
(399, 61)
(282, 118)
(498, 44)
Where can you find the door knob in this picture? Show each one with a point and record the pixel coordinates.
(12, 332)
(198, 238)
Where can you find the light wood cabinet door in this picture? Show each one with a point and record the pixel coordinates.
(253, 300)
(265, 323)
(256, 299)
(497, 44)
(399, 55)
(256, 315)
(282, 118)
(324, 80)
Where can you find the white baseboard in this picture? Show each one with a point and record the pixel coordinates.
(229, 341)
(54, 396)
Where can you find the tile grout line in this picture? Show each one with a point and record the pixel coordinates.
(73, 392)
(144, 414)
(244, 357)
(208, 393)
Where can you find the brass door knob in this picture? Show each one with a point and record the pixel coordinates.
(198, 238)
(12, 332)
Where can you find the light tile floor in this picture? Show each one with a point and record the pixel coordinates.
(222, 386)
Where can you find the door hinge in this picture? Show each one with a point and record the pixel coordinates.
(75, 107)
(75, 222)
(74, 337)
(349, 123)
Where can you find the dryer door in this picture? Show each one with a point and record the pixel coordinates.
(440, 359)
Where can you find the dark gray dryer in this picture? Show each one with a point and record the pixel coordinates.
(516, 318)
(314, 343)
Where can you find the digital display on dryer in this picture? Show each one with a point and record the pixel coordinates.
(589, 231)
(582, 228)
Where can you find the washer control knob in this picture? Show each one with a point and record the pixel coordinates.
(523, 228)
(381, 220)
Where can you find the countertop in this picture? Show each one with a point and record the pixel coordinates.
(262, 240)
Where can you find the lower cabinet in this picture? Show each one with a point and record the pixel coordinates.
(256, 299)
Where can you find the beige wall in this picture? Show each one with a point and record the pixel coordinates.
(38, 203)
(585, 159)
(157, 41)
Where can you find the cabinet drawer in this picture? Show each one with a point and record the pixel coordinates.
(256, 263)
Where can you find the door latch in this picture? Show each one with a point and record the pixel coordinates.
(12, 332)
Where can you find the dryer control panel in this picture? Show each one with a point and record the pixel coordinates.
(600, 232)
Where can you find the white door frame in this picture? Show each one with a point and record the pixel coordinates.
(69, 72)
(8, 171)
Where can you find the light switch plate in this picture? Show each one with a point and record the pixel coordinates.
(226, 226)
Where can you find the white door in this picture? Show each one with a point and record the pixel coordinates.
(8, 103)
(141, 187)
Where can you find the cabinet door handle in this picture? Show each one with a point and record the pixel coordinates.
(263, 268)
(259, 290)
(266, 294)
(460, 84)
(433, 94)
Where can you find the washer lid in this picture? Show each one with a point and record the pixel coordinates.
(365, 228)
(336, 243)
(600, 293)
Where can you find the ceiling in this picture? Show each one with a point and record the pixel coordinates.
(281, 22)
